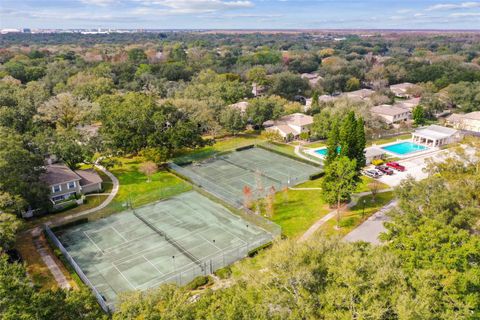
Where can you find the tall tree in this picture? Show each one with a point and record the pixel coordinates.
(333, 143)
(339, 182)
(232, 120)
(20, 170)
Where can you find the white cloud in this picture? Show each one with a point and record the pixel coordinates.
(453, 6)
(195, 6)
(465, 14)
(98, 2)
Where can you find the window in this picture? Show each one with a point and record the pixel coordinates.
(71, 185)
(56, 188)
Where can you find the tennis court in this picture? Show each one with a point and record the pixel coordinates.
(171, 241)
(258, 169)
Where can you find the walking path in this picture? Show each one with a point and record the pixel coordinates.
(301, 155)
(332, 214)
(48, 259)
(46, 254)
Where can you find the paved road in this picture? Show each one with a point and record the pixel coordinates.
(370, 230)
(332, 214)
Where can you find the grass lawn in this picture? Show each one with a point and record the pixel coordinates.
(296, 210)
(220, 145)
(135, 188)
(316, 144)
(353, 217)
(389, 139)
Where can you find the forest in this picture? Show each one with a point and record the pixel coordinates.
(161, 95)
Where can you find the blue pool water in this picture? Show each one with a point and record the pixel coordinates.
(403, 148)
(323, 151)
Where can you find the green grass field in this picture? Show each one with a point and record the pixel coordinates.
(135, 188)
(220, 145)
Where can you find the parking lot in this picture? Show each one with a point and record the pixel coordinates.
(414, 167)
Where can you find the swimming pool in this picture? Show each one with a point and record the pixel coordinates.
(403, 148)
(323, 151)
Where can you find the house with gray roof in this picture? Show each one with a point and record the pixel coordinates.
(64, 183)
(291, 125)
(391, 114)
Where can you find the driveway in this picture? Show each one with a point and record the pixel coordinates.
(370, 230)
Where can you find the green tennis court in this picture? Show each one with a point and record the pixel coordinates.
(227, 175)
(170, 241)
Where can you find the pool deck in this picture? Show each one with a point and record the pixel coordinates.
(393, 154)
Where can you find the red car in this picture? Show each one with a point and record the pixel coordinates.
(396, 166)
(386, 170)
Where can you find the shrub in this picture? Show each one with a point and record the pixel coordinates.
(197, 282)
(254, 252)
(224, 273)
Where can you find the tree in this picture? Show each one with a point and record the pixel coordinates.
(64, 111)
(315, 100)
(69, 147)
(339, 182)
(352, 84)
(135, 121)
(333, 143)
(20, 171)
(262, 109)
(247, 196)
(258, 75)
(137, 56)
(9, 225)
(148, 168)
(418, 115)
(289, 85)
(233, 120)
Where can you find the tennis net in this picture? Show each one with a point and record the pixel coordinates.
(171, 241)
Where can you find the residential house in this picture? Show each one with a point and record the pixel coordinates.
(401, 89)
(64, 183)
(391, 114)
(361, 94)
(290, 126)
(409, 104)
(435, 136)
(469, 121)
(242, 106)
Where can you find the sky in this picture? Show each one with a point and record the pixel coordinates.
(240, 14)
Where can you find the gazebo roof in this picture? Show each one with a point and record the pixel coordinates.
(435, 132)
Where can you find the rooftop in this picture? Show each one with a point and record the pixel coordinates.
(470, 116)
(88, 177)
(296, 119)
(242, 106)
(58, 173)
(435, 132)
(389, 110)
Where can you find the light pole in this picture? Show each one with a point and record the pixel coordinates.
(363, 210)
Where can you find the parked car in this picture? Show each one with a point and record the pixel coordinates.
(396, 166)
(386, 170)
(371, 173)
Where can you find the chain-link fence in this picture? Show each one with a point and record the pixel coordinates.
(77, 268)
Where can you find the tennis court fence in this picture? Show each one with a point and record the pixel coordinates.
(76, 267)
(203, 186)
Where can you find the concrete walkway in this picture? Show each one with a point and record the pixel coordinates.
(301, 155)
(370, 230)
(333, 213)
(45, 254)
(48, 259)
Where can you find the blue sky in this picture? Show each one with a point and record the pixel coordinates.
(238, 14)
